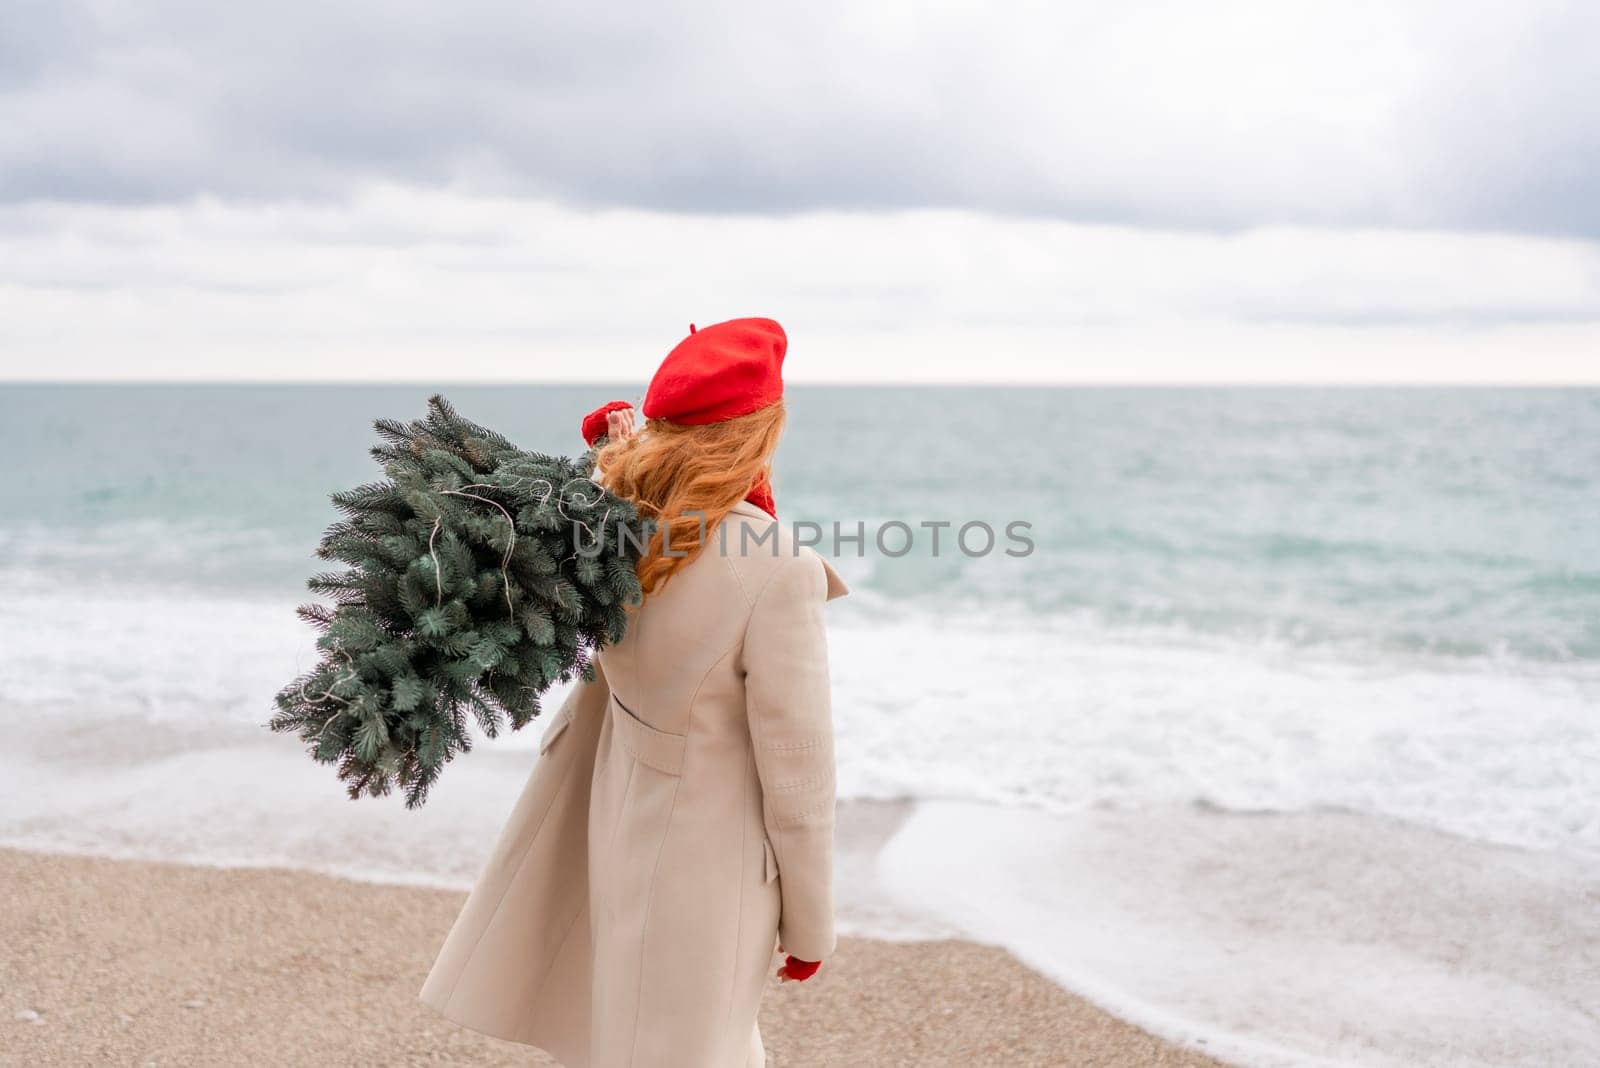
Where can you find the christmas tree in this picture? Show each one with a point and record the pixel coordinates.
(476, 576)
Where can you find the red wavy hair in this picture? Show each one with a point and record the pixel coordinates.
(686, 479)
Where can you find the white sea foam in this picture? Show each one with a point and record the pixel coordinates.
(1017, 709)
(1055, 713)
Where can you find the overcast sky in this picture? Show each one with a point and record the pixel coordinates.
(1020, 192)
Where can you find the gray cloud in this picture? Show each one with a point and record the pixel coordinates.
(1225, 116)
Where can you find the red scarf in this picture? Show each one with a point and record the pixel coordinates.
(760, 495)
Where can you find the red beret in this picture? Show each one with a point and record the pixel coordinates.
(722, 372)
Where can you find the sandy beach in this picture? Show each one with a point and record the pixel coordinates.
(130, 962)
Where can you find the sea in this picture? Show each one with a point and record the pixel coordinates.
(1268, 718)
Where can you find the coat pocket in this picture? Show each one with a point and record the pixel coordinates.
(654, 748)
(771, 859)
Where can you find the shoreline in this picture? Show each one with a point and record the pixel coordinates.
(1299, 938)
(1308, 939)
(155, 962)
(1271, 940)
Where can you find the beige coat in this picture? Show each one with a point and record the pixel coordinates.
(678, 822)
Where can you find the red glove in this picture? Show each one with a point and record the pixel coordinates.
(798, 970)
(594, 424)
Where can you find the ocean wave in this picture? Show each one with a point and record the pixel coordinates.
(987, 703)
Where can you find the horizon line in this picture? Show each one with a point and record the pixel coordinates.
(885, 383)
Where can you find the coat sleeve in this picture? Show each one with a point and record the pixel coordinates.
(791, 729)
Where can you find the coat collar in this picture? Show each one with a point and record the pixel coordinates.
(744, 507)
(836, 585)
